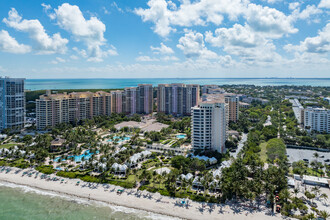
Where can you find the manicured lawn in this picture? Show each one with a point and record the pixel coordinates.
(8, 145)
(262, 153)
(157, 185)
(131, 178)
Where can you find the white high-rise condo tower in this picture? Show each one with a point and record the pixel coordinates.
(208, 121)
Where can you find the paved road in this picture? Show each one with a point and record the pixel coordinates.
(268, 121)
(239, 146)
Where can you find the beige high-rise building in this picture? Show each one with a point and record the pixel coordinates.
(53, 109)
(117, 104)
(130, 100)
(233, 106)
(138, 99)
(144, 99)
(177, 98)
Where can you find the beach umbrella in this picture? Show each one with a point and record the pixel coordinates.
(158, 196)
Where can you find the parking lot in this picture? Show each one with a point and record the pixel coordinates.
(298, 154)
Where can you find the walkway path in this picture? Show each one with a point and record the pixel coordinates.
(240, 146)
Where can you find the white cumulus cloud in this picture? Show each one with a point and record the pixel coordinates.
(163, 49)
(58, 60)
(269, 21)
(324, 4)
(193, 46)
(44, 44)
(10, 45)
(165, 14)
(165, 17)
(319, 44)
(90, 32)
(146, 59)
(170, 58)
(243, 42)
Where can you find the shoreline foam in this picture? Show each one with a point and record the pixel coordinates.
(84, 201)
(97, 193)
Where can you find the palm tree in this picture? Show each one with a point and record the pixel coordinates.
(296, 191)
(324, 214)
(311, 216)
(316, 155)
(316, 190)
(285, 195)
(324, 196)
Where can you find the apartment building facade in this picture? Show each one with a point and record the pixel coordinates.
(130, 96)
(53, 109)
(12, 103)
(209, 126)
(118, 101)
(233, 106)
(317, 119)
(145, 99)
(177, 98)
(138, 99)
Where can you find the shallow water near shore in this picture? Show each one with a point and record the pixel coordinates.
(21, 202)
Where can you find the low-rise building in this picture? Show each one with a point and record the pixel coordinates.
(161, 148)
(119, 169)
(298, 110)
(138, 157)
(244, 105)
(313, 180)
(57, 143)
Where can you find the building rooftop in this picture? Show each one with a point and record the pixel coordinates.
(58, 142)
(56, 96)
(213, 98)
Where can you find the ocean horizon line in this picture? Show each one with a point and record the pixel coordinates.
(185, 78)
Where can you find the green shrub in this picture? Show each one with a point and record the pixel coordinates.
(46, 169)
(3, 163)
(90, 179)
(70, 175)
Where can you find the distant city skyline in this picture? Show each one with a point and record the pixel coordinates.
(163, 38)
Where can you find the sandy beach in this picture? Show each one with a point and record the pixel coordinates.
(132, 199)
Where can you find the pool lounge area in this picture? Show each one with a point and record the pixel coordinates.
(119, 139)
(181, 136)
(78, 158)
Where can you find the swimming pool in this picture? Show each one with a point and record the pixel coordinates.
(78, 158)
(119, 139)
(180, 136)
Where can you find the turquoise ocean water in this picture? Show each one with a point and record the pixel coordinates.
(24, 203)
(38, 84)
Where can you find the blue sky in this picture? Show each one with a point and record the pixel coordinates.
(163, 38)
